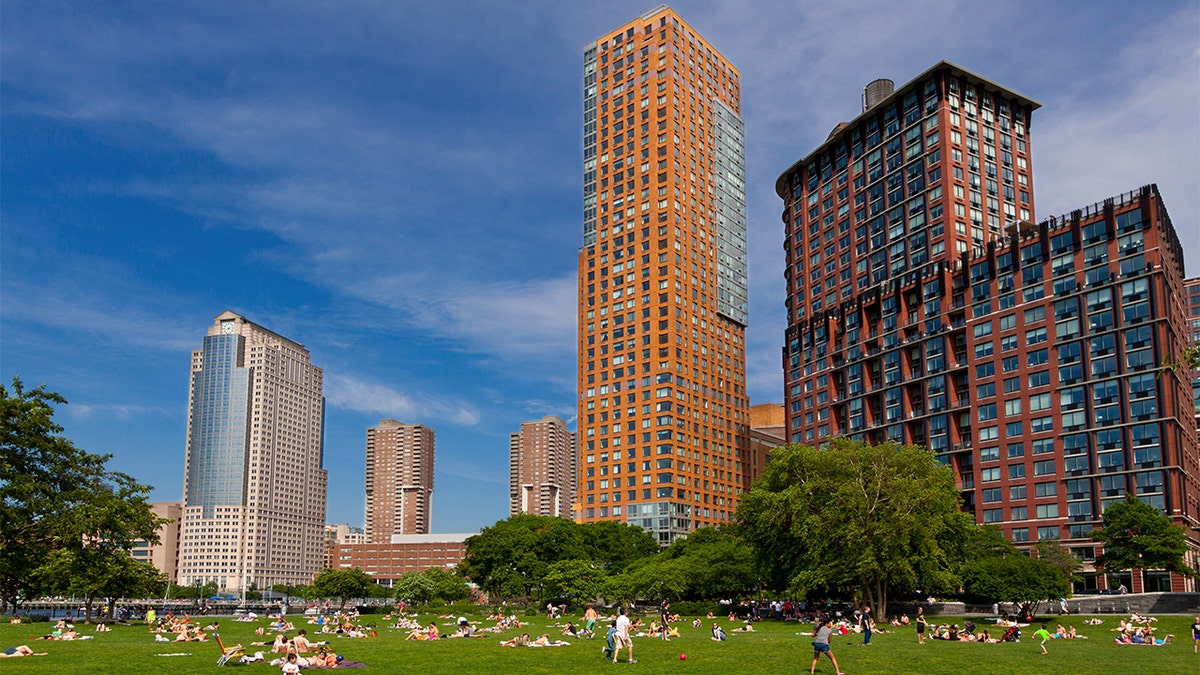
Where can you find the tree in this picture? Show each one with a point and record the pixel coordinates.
(432, 584)
(1015, 578)
(574, 581)
(343, 584)
(875, 518)
(721, 564)
(615, 545)
(653, 578)
(513, 557)
(1138, 536)
(1053, 552)
(448, 586)
(415, 588)
(54, 496)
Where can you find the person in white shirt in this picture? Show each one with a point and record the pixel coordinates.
(621, 637)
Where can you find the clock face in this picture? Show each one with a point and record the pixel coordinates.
(227, 327)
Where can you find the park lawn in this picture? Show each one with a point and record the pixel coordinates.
(776, 647)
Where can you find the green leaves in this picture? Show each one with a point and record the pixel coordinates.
(871, 517)
(1138, 536)
(343, 584)
(59, 504)
(515, 557)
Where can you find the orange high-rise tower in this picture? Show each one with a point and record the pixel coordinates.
(662, 281)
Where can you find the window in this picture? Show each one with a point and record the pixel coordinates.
(1043, 446)
(1045, 489)
(1047, 511)
(1016, 471)
(1039, 402)
(1020, 513)
(993, 515)
(990, 474)
(1047, 532)
(1044, 467)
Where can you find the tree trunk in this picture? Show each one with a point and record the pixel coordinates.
(881, 602)
(87, 608)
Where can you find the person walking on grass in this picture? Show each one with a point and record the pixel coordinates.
(622, 638)
(1044, 635)
(1196, 635)
(821, 645)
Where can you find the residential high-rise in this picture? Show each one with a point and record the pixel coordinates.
(877, 220)
(926, 307)
(399, 480)
(662, 281)
(1192, 289)
(1069, 323)
(254, 485)
(541, 469)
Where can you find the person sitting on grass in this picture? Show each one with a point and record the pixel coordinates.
(718, 633)
(518, 641)
(303, 646)
(102, 627)
(545, 641)
(464, 629)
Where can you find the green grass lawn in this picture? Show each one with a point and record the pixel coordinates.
(776, 648)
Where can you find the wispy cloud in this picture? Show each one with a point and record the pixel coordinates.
(363, 396)
(117, 411)
(84, 309)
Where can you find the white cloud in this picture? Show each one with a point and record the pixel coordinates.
(358, 395)
(116, 411)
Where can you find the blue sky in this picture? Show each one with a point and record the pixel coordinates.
(396, 185)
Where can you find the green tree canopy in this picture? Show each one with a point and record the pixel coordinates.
(1015, 578)
(722, 564)
(343, 584)
(54, 496)
(1138, 536)
(574, 581)
(432, 584)
(513, 557)
(874, 518)
(414, 588)
(1053, 552)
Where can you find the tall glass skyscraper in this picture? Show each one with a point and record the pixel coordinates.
(663, 424)
(254, 484)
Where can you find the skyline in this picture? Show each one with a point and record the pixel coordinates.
(398, 192)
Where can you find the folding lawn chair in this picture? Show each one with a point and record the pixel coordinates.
(229, 655)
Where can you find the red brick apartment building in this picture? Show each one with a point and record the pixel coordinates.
(926, 307)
